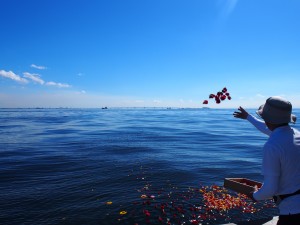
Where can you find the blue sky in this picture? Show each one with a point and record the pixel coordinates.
(144, 53)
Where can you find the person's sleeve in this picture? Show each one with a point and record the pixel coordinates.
(271, 172)
(268, 189)
(259, 124)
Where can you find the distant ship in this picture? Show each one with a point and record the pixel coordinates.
(104, 108)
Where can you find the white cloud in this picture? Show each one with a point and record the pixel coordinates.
(157, 101)
(60, 85)
(38, 67)
(260, 96)
(31, 77)
(11, 75)
(230, 5)
(227, 6)
(34, 77)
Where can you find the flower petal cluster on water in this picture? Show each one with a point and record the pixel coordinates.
(190, 205)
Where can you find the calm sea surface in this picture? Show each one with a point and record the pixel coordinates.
(85, 166)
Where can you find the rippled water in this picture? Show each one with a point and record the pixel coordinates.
(60, 166)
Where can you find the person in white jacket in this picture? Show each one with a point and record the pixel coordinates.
(281, 158)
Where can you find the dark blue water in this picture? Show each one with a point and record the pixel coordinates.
(61, 166)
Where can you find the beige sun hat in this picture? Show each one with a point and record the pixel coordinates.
(277, 110)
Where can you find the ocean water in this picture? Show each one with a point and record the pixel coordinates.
(85, 166)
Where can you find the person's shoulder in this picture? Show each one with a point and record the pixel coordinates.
(270, 143)
(275, 138)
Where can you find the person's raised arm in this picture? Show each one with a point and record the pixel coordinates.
(259, 124)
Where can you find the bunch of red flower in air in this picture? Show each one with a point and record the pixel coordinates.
(220, 96)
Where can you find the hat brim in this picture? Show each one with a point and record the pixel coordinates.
(259, 112)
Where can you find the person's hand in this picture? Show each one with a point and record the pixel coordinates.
(242, 113)
(250, 194)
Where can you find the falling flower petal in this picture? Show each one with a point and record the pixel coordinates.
(205, 102)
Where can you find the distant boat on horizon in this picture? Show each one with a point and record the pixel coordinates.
(104, 108)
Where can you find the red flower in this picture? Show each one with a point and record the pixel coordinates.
(195, 222)
(219, 96)
(160, 219)
(147, 213)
